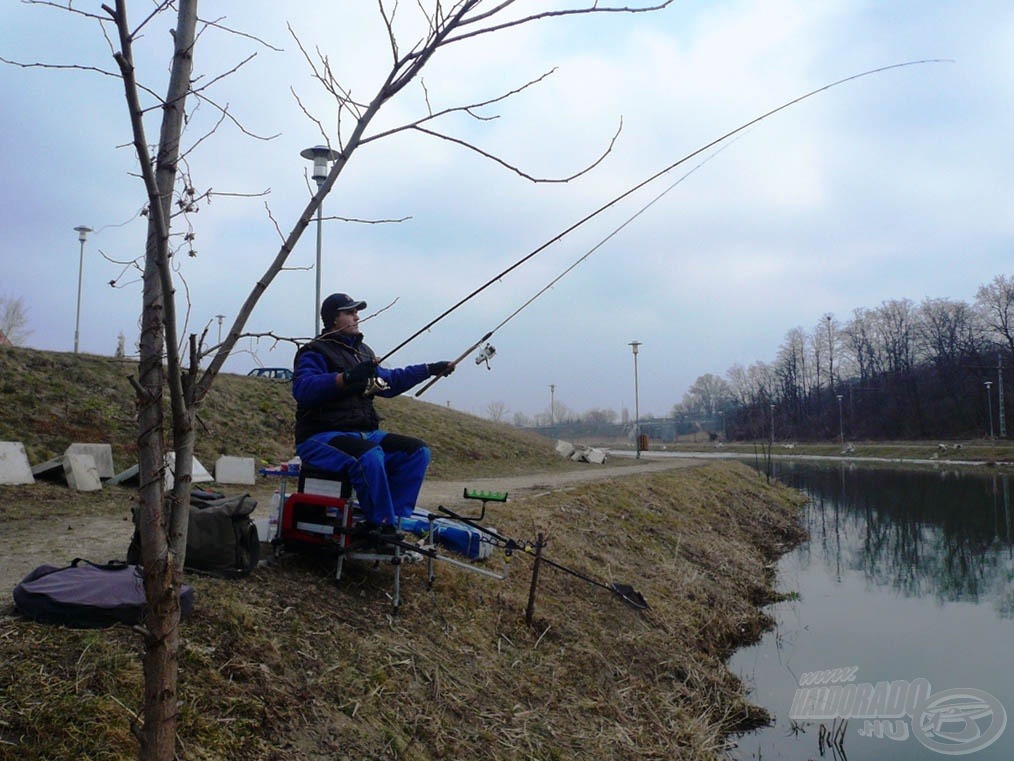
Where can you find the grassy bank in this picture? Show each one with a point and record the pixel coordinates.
(288, 664)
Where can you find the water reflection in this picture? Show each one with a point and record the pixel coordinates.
(907, 575)
(945, 535)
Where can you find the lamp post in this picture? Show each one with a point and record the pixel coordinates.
(989, 407)
(841, 423)
(82, 233)
(637, 403)
(321, 156)
(220, 317)
(552, 404)
(772, 425)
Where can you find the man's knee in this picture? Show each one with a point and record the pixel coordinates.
(395, 442)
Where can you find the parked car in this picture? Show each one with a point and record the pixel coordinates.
(277, 373)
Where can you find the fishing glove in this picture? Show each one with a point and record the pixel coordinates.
(358, 375)
(440, 368)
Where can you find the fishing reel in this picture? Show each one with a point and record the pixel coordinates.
(485, 355)
(375, 385)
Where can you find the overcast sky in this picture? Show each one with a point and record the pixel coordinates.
(897, 185)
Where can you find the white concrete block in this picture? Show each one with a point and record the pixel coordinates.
(101, 453)
(14, 467)
(235, 470)
(565, 448)
(82, 473)
(596, 456)
(199, 473)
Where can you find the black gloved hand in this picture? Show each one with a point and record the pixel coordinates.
(440, 368)
(359, 374)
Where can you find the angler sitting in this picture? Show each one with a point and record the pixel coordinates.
(337, 427)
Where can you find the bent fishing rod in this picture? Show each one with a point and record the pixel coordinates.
(612, 202)
(490, 350)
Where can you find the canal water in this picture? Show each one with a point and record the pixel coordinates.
(900, 619)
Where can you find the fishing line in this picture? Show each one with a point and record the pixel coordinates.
(487, 355)
(650, 179)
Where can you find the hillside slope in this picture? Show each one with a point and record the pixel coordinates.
(49, 400)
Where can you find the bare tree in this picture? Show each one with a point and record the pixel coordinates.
(948, 332)
(995, 303)
(172, 197)
(706, 396)
(895, 321)
(13, 320)
(496, 411)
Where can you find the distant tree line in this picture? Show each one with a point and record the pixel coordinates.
(900, 370)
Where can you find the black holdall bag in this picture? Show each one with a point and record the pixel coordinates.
(222, 539)
(86, 595)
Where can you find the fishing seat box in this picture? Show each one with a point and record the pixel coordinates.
(318, 520)
(320, 513)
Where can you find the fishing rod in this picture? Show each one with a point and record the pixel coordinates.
(490, 350)
(652, 178)
(624, 591)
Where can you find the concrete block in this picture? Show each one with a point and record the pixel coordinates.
(126, 476)
(235, 470)
(199, 474)
(49, 469)
(101, 453)
(565, 448)
(132, 474)
(81, 472)
(14, 467)
(596, 456)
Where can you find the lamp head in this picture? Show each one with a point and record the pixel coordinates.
(321, 156)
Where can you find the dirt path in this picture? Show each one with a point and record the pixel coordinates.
(26, 544)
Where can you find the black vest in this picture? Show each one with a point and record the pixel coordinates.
(347, 410)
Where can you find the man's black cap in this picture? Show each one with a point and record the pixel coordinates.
(335, 303)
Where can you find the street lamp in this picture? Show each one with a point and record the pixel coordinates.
(841, 424)
(772, 425)
(552, 404)
(989, 407)
(82, 233)
(221, 317)
(637, 403)
(321, 156)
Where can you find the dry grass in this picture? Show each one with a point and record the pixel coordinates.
(288, 664)
(49, 400)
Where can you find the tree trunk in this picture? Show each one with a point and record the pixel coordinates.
(161, 539)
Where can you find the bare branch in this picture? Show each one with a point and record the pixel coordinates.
(224, 74)
(66, 7)
(159, 8)
(515, 169)
(314, 119)
(544, 15)
(218, 25)
(360, 221)
(59, 66)
(469, 109)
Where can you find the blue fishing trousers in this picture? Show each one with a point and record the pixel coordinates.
(385, 469)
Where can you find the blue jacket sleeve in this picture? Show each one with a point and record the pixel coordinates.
(312, 382)
(401, 379)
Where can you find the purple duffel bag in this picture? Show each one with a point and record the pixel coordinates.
(86, 595)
